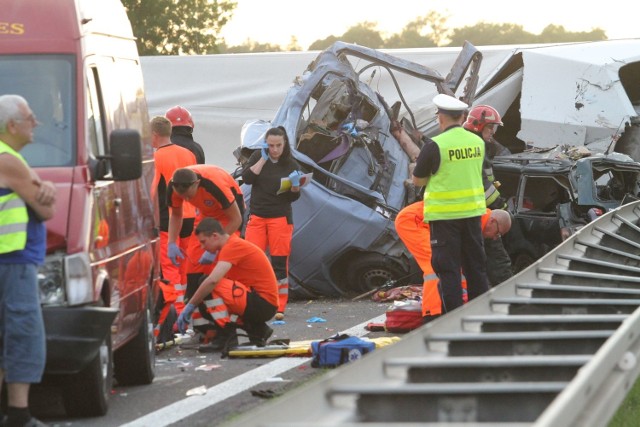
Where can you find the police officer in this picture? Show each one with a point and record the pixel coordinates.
(450, 166)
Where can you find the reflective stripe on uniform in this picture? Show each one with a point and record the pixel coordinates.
(456, 190)
(13, 213)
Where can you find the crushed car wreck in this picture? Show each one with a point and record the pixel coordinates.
(553, 193)
(344, 240)
(339, 116)
(571, 113)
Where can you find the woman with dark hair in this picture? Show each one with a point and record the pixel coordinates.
(270, 222)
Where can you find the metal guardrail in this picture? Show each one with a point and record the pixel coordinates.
(556, 345)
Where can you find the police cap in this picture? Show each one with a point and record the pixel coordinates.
(449, 105)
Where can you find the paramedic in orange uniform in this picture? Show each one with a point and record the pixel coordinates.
(415, 235)
(215, 194)
(270, 223)
(242, 285)
(169, 157)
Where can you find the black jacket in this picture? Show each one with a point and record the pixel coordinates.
(265, 200)
(182, 136)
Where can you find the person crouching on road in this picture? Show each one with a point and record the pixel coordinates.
(215, 194)
(414, 232)
(271, 219)
(242, 284)
(450, 166)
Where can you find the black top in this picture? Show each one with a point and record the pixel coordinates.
(265, 202)
(181, 135)
(428, 161)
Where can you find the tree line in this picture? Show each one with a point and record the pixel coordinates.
(192, 27)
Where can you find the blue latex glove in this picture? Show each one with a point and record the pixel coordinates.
(295, 178)
(350, 128)
(175, 253)
(208, 257)
(265, 151)
(185, 317)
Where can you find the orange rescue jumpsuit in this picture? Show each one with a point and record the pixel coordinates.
(415, 234)
(217, 191)
(168, 158)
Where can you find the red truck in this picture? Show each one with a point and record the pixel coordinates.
(76, 63)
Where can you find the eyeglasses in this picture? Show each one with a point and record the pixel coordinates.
(498, 234)
(30, 118)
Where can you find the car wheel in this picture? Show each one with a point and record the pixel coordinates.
(135, 361)
(370, 271)
(86, 394)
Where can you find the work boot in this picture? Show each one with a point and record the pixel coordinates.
(426, 319)
(225, 339)
(258, 334)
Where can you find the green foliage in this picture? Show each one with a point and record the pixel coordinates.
(170, 27)
(363, 34)
(484, 34)
(250, 46)
(557, 33)
(629, 412)
(323, 43)
(431, 30)
(425, 31)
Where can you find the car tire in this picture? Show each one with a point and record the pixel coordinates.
(370, 271)
(135, 361)
(86, 394)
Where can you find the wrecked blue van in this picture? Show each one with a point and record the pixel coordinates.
(344, 242)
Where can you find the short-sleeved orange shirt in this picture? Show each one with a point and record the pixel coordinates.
(251, 267)
(485, 218)
(168, 158)
(217, 191)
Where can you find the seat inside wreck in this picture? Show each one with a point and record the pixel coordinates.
(335, 131)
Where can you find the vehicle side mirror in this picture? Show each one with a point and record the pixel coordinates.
(126, 154)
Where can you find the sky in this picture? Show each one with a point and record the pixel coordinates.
(275, 21)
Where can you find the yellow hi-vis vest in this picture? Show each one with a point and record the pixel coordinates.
(13, 214)
(456, 190)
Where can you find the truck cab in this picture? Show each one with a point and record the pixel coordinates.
(76, 63)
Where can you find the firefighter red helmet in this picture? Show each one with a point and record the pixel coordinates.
(481, 115)
(179, 116)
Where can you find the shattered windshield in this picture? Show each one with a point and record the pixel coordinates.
(47, 83)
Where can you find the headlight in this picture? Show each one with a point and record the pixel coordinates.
(65, 280)
(51, 281)
(78, 276)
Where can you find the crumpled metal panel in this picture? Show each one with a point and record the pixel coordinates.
(346, 213)
(572, 94)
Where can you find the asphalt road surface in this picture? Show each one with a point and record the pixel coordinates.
(231, 386)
